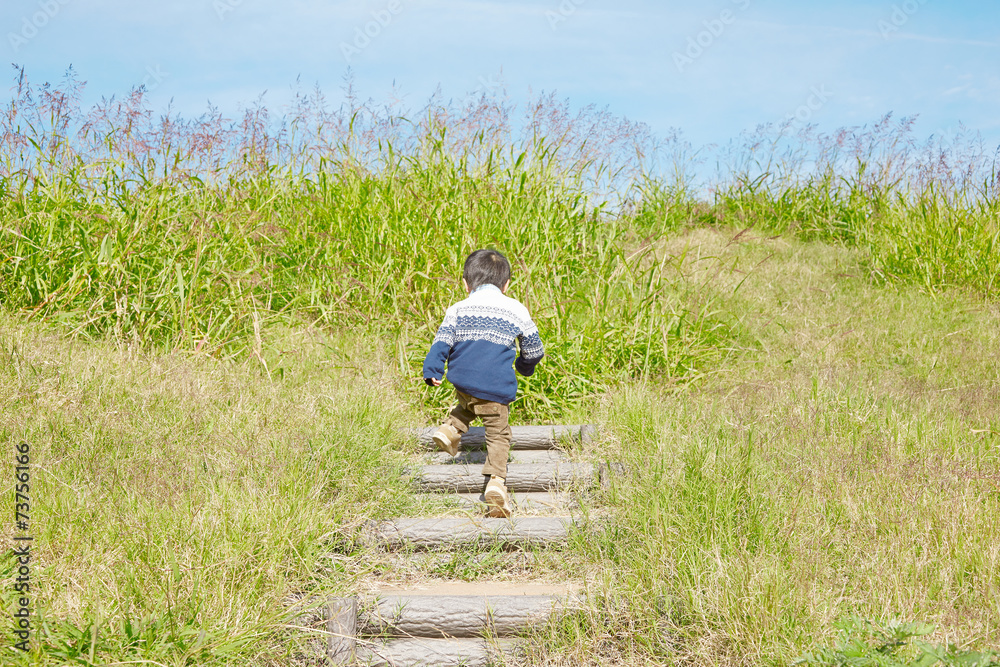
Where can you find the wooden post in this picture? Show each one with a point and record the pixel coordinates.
(342, 623)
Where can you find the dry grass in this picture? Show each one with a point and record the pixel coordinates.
(841, 458)
(179, 500)
(846, 462)
(837, 453)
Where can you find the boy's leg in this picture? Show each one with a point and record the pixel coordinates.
(461, 415)
(449, 434)
(495, 418)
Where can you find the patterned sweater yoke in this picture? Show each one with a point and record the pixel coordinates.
(479, 340)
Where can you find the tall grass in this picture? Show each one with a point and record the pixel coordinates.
(119, 229)
(926, 213)
(846, 469)
(182, 505)
(190, 499)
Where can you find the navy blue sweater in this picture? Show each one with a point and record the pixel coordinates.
(478, 340)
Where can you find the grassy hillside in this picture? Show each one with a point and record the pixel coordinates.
(843, 462)
(847, 464)
(209, 336)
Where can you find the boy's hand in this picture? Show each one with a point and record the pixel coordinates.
(433, 382)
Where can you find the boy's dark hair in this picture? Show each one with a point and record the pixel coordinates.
(486, 267)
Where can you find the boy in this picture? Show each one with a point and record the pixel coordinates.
(477, 340)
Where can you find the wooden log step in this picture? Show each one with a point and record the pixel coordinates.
(341, 627)
(536, 502)
(422, 652)
(522, 437)
(478, 457)
(454, 532)
(445, 616)
(520, 477)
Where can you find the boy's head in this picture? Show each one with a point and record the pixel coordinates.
(486, 267)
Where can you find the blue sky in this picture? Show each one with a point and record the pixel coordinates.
(710, 69)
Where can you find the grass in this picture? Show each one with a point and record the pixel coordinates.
(199, 266)
(178, 500)
(847, 464)
(926, 214)
(864, 642)
(210, 333)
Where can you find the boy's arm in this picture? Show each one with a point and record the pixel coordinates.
(531, 349)
(440, 348)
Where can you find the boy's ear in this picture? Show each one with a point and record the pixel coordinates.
(465, 285)
(503, 290)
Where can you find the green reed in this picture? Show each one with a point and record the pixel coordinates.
(209, 266)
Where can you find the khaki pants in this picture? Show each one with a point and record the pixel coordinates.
(495, 417)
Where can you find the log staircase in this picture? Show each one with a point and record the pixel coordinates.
(468, 623)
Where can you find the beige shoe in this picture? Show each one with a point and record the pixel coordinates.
(497, 499)
(447, 437)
